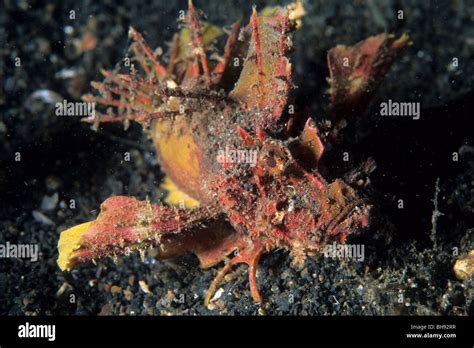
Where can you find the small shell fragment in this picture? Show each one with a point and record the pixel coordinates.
(144, 287)
(464, 268)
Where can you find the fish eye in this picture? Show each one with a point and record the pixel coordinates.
(270, 162)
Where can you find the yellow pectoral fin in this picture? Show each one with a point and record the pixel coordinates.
(177, 197)
(69, 241)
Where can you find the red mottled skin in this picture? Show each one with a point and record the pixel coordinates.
(281, 200)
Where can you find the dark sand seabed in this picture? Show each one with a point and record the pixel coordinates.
(408, 265)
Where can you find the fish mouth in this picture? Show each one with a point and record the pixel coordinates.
(350, 218)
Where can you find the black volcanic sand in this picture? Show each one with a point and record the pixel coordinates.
(408, 266)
